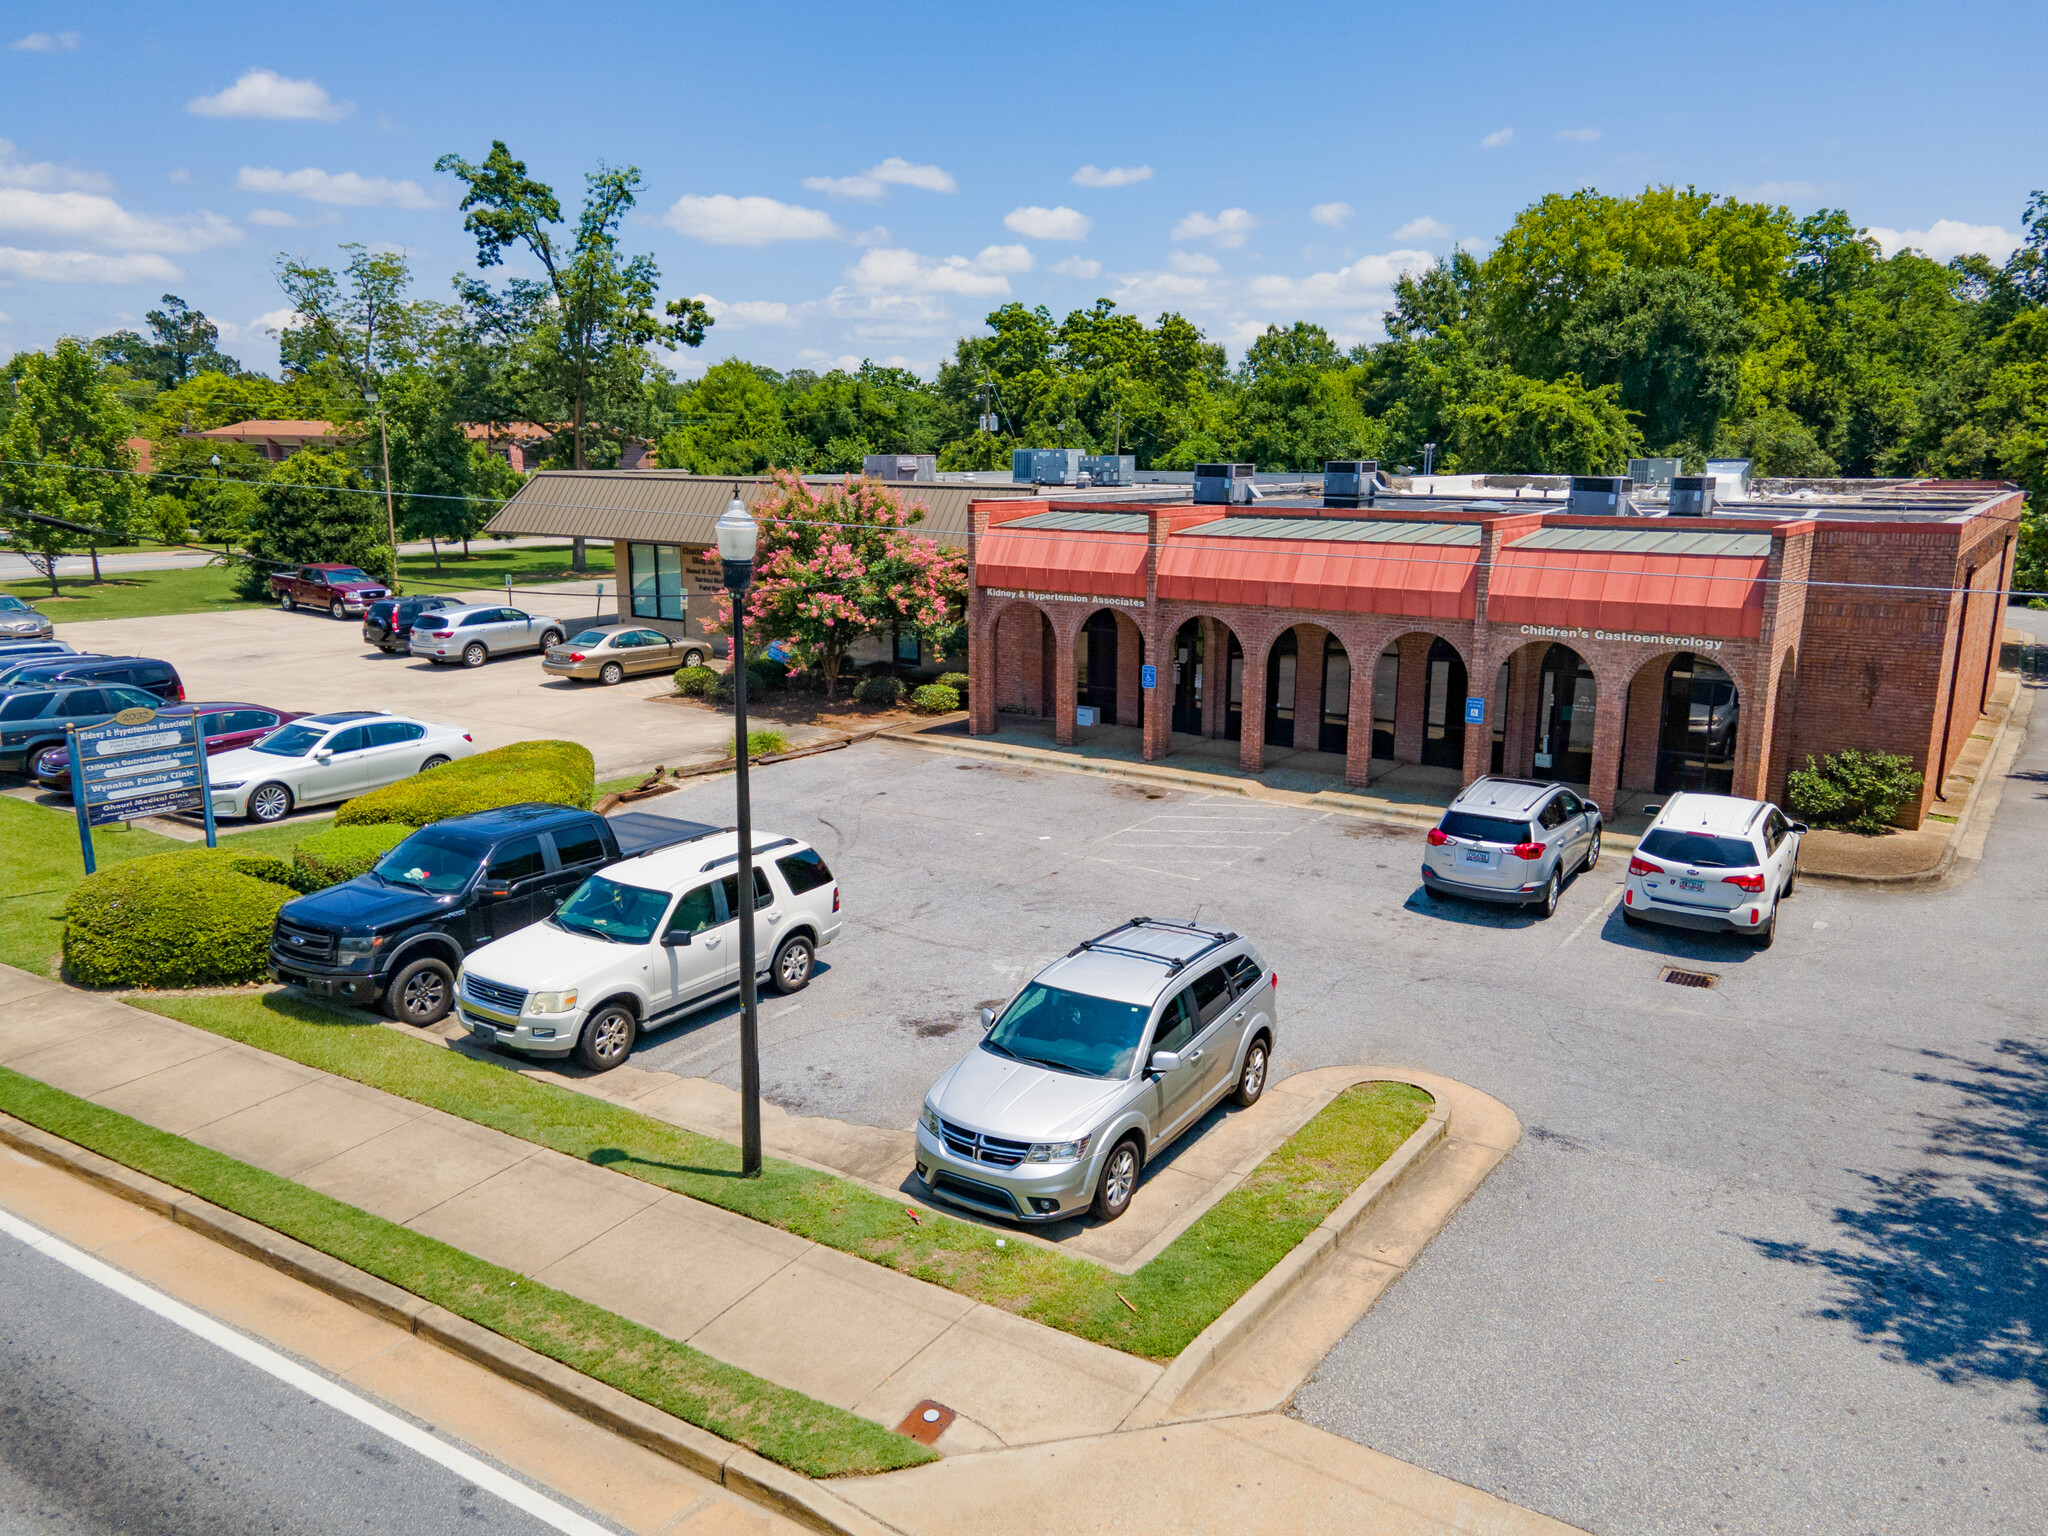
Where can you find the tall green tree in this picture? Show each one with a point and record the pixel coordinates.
(182, 343)
(1671, 340)
(313, 509)
(64, 454)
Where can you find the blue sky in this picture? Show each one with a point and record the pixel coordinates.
(868, 181)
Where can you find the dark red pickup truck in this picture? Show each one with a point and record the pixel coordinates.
(342, 590)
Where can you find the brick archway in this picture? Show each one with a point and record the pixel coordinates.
(1013, 663)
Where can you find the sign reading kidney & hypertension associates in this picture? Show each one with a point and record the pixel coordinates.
(140, 763)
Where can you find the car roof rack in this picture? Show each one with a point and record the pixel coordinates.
(734, 858)
(1217, 938)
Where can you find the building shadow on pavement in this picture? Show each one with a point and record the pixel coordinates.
(1946, 1266)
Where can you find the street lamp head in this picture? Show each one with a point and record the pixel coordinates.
(214, 461)
(738, 533)
(369, 397)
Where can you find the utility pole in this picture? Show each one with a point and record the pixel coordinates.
(390, 507)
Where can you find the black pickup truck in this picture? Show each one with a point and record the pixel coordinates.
(400, 931)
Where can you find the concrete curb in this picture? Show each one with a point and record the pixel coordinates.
(1213, 1346)
(753, 1477)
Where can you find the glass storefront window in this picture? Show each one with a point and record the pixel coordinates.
(656, 572)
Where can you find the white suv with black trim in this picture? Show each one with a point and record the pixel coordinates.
(1511, 840)
(1714, 862)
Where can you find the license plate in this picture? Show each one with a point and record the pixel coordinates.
(1478, 856)
(1691, 885)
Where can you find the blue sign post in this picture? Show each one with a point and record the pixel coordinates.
(1475, 711)
(140, 763)
(1148, 676)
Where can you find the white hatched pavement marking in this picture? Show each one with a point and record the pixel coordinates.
(1201, 837)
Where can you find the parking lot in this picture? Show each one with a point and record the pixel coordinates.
(1741, 1274)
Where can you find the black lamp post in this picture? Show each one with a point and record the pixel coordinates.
(737, 536)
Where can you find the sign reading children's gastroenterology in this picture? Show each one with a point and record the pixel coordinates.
(140, 763)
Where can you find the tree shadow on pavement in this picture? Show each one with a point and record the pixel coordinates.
(1947, 1268)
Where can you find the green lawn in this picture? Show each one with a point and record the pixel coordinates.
(210, 588)
(1155, 1312)
(811, 1437)
(40, 862)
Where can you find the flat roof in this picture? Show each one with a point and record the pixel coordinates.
(1659, 538)
(1335, 530)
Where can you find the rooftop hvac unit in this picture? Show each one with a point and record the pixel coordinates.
(1223, 484)
(1692, 495)
(900, 466)
(1045, 466)
(1110, 468)
(1730, 476)
(1349, 482)
(1599, 496)
(1654, 471)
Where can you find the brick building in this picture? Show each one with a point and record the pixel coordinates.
(1621, 653)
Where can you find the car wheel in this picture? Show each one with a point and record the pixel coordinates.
(1765, 936)
(1548, 906)
(550, 638)
(270, 802)
(286, 601)
(421, 993)
(611, 674)
(1593, 853)
(607, 1039)
(1251, 1082)
(693, 658)
(791, 971)
(474, 654)
(336, 611)
(1119, 1180)
(436, 761)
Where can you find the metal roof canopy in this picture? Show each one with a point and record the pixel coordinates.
(1079, 522)
(1646, 541)
(1336, 530)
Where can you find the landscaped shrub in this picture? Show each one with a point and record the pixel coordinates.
(695, 682)
(957, 681)
(879, 690)
(935, 699)
(1859, 791)
(759, 744)
(551, 772)
(198, 917)
(341, 853)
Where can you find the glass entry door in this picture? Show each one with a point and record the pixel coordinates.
(1097, 681)
(1188, 646)
(1280, 668)
(1335, 732)
(1696, 738)
(1566, 702)
(1386, 688)
(1443, 721)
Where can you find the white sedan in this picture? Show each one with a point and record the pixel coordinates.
(322, 758)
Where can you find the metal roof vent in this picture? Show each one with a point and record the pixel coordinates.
(1223, 484)
(1350, 482)
(1654, 471)
(1600, 495)
(1692, 495)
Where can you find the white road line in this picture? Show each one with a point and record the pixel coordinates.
(1595, 915)
(314, 1385)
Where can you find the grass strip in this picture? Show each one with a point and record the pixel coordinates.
(1160, 1310)
(803, 1434)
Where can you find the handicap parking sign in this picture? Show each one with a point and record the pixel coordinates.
(1148, 676)
(1475, 711)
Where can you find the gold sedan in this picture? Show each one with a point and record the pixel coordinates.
(610, 655)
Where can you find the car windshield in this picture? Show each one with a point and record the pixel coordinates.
(1700, 848)
(291, 740)
(605, 909)
(1070, 1031)
(592, 637)
(11, 604)
(429, 861)
(343, 574)
(1484, 829)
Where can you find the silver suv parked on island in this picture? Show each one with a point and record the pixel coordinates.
(1511, 840)
(1103, 1058)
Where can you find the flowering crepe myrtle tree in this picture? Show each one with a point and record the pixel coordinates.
(836, 565)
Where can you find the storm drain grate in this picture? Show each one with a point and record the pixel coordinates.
(1679, 978)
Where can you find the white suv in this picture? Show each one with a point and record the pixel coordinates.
(1714, 862)
(645, 940)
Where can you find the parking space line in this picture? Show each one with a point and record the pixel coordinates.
(1597, 913)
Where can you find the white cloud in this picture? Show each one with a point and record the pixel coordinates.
(750, 311)
(5, 318)
(181, 176)
(1140, 290)
(724, 220)
(266, 93)
(1229, 229)
(83, 267)
(277, 218)
(349, 189)
(1578, 135)
(1061, 223)
(1946, 239)
(1077, 266)
(1424, 228)
(901, 172)
(44, 174)
(1114, 176)
(894, 269)
(1497, 138)
(1004, 258)
(879, 235)
(46, 42)
(1194, 263)
(1366, 283)
(1332, 214)
(275, 320)
(85, 216)
(864, 187)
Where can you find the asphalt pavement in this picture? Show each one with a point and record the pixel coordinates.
(115, 1419)
(1770, 1255)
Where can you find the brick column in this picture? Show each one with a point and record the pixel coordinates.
(1478, 738)
(1606, 780)
(1525, 679)
(1411, 698)
(1157, 703)
(1215, 677)
(1251, 751)
(983, 635)
(1358, 743)
(1308, 686)
(1064, 698)
(1645, 725)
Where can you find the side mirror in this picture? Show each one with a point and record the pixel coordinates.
(1651, 810)
(323, 756)
(1588, 805)
(1800, 826)
(988, 1020)
(1164, 1061)
(675, 938)
(498, 890)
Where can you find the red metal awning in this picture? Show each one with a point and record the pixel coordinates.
(1086, 563)
(1424, 581)
(1719, 595)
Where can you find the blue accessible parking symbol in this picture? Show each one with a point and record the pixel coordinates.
(1475, 711)
(1148, 676)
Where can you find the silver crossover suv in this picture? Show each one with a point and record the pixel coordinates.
(1105, 1057)
(1511, 840)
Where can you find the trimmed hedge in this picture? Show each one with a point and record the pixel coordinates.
(759, 744)
(1859, 791)
(695, 682)
(879, 690)
(198, 917)
(551, 772)
(935, 699)
(341, 853)
(957, 681)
